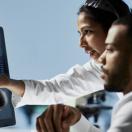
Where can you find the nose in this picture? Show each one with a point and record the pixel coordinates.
(84, 43)
(102, 58)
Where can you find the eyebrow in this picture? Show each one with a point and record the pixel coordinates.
(111, 44)
(107, 44)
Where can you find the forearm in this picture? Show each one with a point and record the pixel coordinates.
(16, 86)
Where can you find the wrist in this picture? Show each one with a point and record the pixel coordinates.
(10, 84)
(16, 86)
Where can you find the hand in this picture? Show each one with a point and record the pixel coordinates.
(57, 118)
(4, 81)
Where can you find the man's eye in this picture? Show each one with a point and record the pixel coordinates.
(110, 50)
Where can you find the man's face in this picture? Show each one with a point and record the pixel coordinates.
(116, 60)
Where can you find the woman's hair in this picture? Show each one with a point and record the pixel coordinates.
(104, 17)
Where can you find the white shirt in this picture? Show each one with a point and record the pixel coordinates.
(76, 82)
(121, 118)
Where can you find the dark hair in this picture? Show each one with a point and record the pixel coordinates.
(127, 21)
(103, 17)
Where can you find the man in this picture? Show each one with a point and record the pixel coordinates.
(117, 74)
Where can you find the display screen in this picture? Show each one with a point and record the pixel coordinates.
(7, 115)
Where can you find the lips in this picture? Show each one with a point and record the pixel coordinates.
(92, 54)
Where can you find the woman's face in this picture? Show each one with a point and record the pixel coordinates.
(92, 36)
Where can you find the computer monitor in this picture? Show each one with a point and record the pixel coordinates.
(7, 114)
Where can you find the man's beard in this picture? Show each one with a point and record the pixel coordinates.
(118, 80)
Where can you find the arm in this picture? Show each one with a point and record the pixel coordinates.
(59, 118)
(16, 86)
(77, 82)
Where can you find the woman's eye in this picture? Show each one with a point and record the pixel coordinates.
(87, 31)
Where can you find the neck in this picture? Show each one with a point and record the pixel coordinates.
(128, 88)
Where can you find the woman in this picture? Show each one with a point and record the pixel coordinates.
(94, 20)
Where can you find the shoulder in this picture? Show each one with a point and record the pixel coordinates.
(124, 104)
(126, 101)
(122, 116)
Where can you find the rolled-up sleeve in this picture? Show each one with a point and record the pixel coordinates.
(83, 125)
(77, 82)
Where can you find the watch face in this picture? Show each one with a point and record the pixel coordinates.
(7, 115)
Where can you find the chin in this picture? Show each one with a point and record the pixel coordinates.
(95, 59)
(95, 56)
